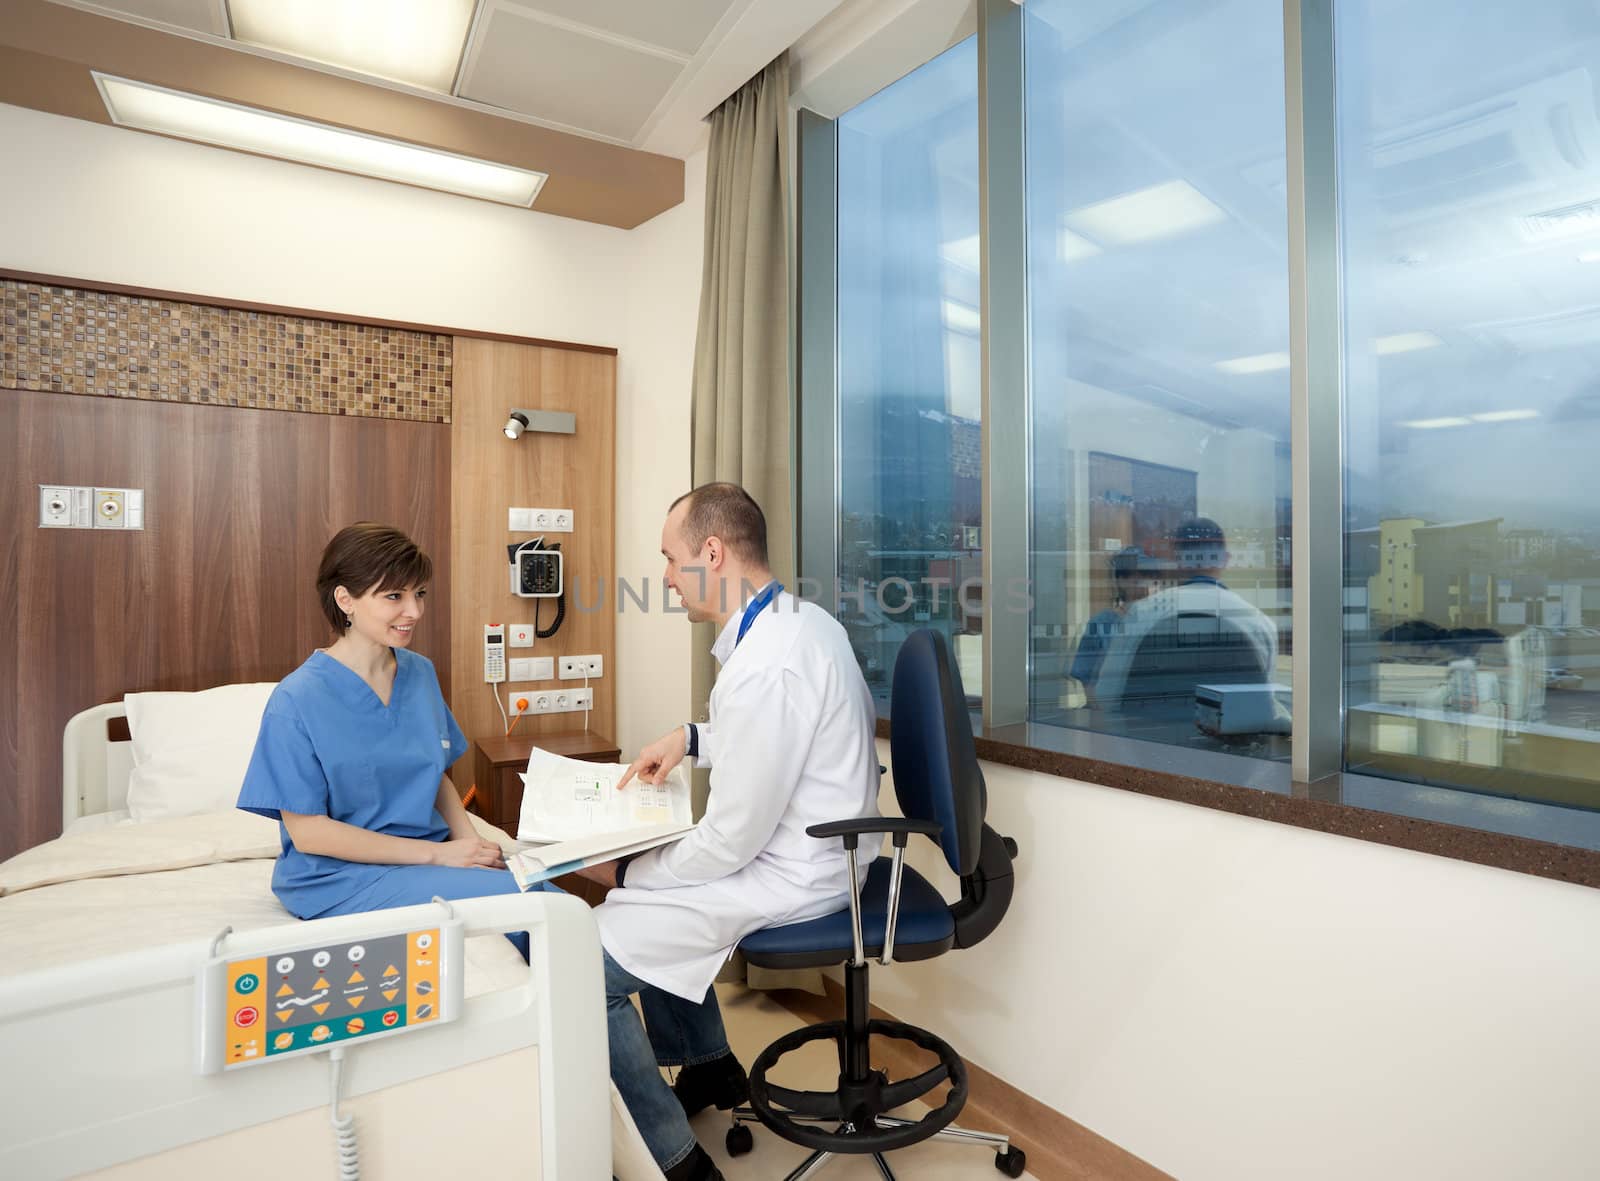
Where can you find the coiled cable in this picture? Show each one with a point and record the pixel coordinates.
(344, 1127)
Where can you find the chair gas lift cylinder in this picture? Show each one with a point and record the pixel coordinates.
(898, 914)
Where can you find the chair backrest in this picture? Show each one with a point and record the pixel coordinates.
(936, 773)
(1186, 649)
(937, 777)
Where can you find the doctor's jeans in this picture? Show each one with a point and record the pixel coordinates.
(681, 1033)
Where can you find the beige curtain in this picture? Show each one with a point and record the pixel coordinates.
(742, 404)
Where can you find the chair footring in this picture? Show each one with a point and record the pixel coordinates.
(856, 1107)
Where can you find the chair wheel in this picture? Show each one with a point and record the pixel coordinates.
(1011, 1162)
(739, 1141)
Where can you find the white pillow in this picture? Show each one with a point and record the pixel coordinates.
(191, 750)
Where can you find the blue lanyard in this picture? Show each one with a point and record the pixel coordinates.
(755, 607)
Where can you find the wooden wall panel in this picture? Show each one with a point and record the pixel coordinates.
(492, 474)
(218, 588)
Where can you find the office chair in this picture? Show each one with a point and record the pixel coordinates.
(897, 915)
(1186, 649)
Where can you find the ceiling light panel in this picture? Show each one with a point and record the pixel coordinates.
(679, 25)
(1161, 211)
(415, 41)
(204, 16)
(1260, 363)
(1405, 342)
(187, 116)
(550, 72)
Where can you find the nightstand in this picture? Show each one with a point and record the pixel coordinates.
(498, 763)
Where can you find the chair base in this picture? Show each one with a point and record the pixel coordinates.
(1010, 1161)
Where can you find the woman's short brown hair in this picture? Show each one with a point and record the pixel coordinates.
(367, 555)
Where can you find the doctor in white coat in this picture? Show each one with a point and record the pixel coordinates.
(790, 743)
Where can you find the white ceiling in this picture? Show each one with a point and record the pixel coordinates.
(643, 73)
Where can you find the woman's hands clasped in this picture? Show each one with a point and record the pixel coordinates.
(469, 853)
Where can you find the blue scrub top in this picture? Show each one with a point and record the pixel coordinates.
(328, 746)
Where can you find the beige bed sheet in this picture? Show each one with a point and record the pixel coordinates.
(107, 889)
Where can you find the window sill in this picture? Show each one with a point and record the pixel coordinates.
(1343, 805)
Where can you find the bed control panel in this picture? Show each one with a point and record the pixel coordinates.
(287, 1001)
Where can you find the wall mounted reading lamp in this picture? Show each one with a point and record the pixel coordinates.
(555, 422)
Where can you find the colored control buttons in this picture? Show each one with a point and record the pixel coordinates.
(246, 1016)
(286, 965)
(247, 984)
(391, 1018)
(321, 1033)
(320, 960)
(357, 953)
(355, 1026)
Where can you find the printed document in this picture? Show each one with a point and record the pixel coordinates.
(574, 816)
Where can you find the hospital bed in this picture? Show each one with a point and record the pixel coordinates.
(103, 931)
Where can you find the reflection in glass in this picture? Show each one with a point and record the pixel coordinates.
(1470, 210)
(910, 554)
(1158, 304)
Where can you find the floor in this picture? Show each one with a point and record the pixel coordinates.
(754, 1020)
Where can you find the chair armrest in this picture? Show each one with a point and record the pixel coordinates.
(852, 830)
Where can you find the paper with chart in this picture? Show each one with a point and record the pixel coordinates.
(573, 816)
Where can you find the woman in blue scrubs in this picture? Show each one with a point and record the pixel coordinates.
(353, 748)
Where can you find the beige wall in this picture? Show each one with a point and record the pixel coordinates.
(653, 398)
(123, 207)
(1233, 1000)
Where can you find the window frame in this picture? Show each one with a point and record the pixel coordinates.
(1311, 790)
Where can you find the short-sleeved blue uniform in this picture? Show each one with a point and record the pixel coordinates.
(328, 746)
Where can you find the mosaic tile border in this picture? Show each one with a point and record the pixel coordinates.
(77, 341)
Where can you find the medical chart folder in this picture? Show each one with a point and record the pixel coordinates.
(573, 816)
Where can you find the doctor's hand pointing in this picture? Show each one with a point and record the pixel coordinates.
(656, 761)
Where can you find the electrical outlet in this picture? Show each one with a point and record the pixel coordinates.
(520, 704)
(563, 703)
(543, 518)
(561, 520)
(55, 506)
(542, 703)
(576, 668)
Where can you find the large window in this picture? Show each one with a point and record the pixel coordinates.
(1158, 322)
(1345, 292)
(910, 548)
(1470, 219)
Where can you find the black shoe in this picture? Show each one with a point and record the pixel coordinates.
(697, 1166)
(721, 1081)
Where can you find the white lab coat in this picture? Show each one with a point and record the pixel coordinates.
(790, 743)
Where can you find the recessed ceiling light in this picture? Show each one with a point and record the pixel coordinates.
(1261, 363)
(415, 41)
(1161, 211)
(187, 116)
(1505, 415)
(1405, 342)
(962, 317)
(1071, 247)
(1433, 424)
(964, 252)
